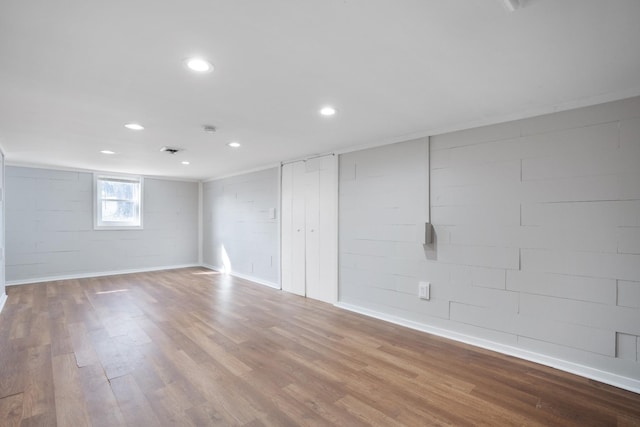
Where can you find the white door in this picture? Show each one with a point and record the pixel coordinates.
(298, 243)
(312, 223)
(310, 228)
(329, 221)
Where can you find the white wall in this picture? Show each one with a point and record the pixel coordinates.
(537, 237)
(237, 222)
(49, 227)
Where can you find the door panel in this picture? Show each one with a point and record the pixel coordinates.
(298, 244)
(328, 220)
(312, 221)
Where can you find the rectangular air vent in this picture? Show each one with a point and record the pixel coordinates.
(171, 150)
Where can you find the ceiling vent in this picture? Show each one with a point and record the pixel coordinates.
(171, 150)
(209, 128)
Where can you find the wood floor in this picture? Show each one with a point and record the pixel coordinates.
(192, 347)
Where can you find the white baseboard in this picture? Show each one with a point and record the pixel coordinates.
(3, 300)
(626, 383)
(244, 276)
(97, 274)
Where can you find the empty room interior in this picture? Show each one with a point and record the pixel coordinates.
(323, 213)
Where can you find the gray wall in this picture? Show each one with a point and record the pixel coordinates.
(538, 234)
(382, 211)
(2, 232)
(49, 227)
(236, 218)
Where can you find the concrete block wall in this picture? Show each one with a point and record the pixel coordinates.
(3, 294)
(238, 227)
(49, 227)
(537, 236)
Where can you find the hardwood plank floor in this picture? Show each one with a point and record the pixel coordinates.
(191, 347)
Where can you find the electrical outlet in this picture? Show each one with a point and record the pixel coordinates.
(424, 289)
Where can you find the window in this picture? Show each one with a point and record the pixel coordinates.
(118, 202)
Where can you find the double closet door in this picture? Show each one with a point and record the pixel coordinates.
(310, 228)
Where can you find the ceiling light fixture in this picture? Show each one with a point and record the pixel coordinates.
(134, 126)
(327, 111)
(199, 65)
(185, 163)
(108, 152)
(234, 144)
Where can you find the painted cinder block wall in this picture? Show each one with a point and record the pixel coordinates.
(238, 227)
(537, 237)
(49, 227)
(3, 294)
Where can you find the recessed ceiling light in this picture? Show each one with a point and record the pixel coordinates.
(134, 126)
(185, 163)
(327, 111)
(234, 144)
(199, 65)
(108, 152)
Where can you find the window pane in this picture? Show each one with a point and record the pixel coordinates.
(118, 190)
(119, 211)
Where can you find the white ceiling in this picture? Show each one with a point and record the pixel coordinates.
(73, 72)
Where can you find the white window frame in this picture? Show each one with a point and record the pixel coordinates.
(98, 224)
